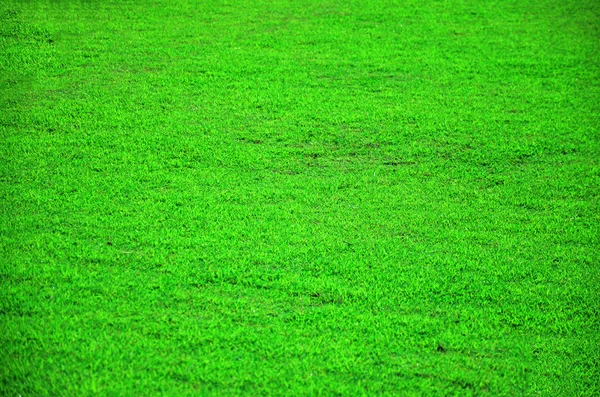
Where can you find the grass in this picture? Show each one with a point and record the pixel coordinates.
(300, 197)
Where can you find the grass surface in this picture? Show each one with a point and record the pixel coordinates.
(300, 197)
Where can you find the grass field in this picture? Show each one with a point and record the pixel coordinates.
(300, 197)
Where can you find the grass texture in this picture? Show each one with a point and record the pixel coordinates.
(300, 197)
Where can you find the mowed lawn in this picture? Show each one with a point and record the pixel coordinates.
(288, 197)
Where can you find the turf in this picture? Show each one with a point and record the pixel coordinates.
(300, 197)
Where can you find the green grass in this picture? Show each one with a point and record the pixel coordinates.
(300, 197)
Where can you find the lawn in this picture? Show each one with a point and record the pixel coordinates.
(286, 197)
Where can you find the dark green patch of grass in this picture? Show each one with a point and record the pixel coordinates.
(299, 198)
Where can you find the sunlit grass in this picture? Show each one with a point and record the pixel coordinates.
(299, 198)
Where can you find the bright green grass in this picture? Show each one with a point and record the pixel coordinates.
(300, 197)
